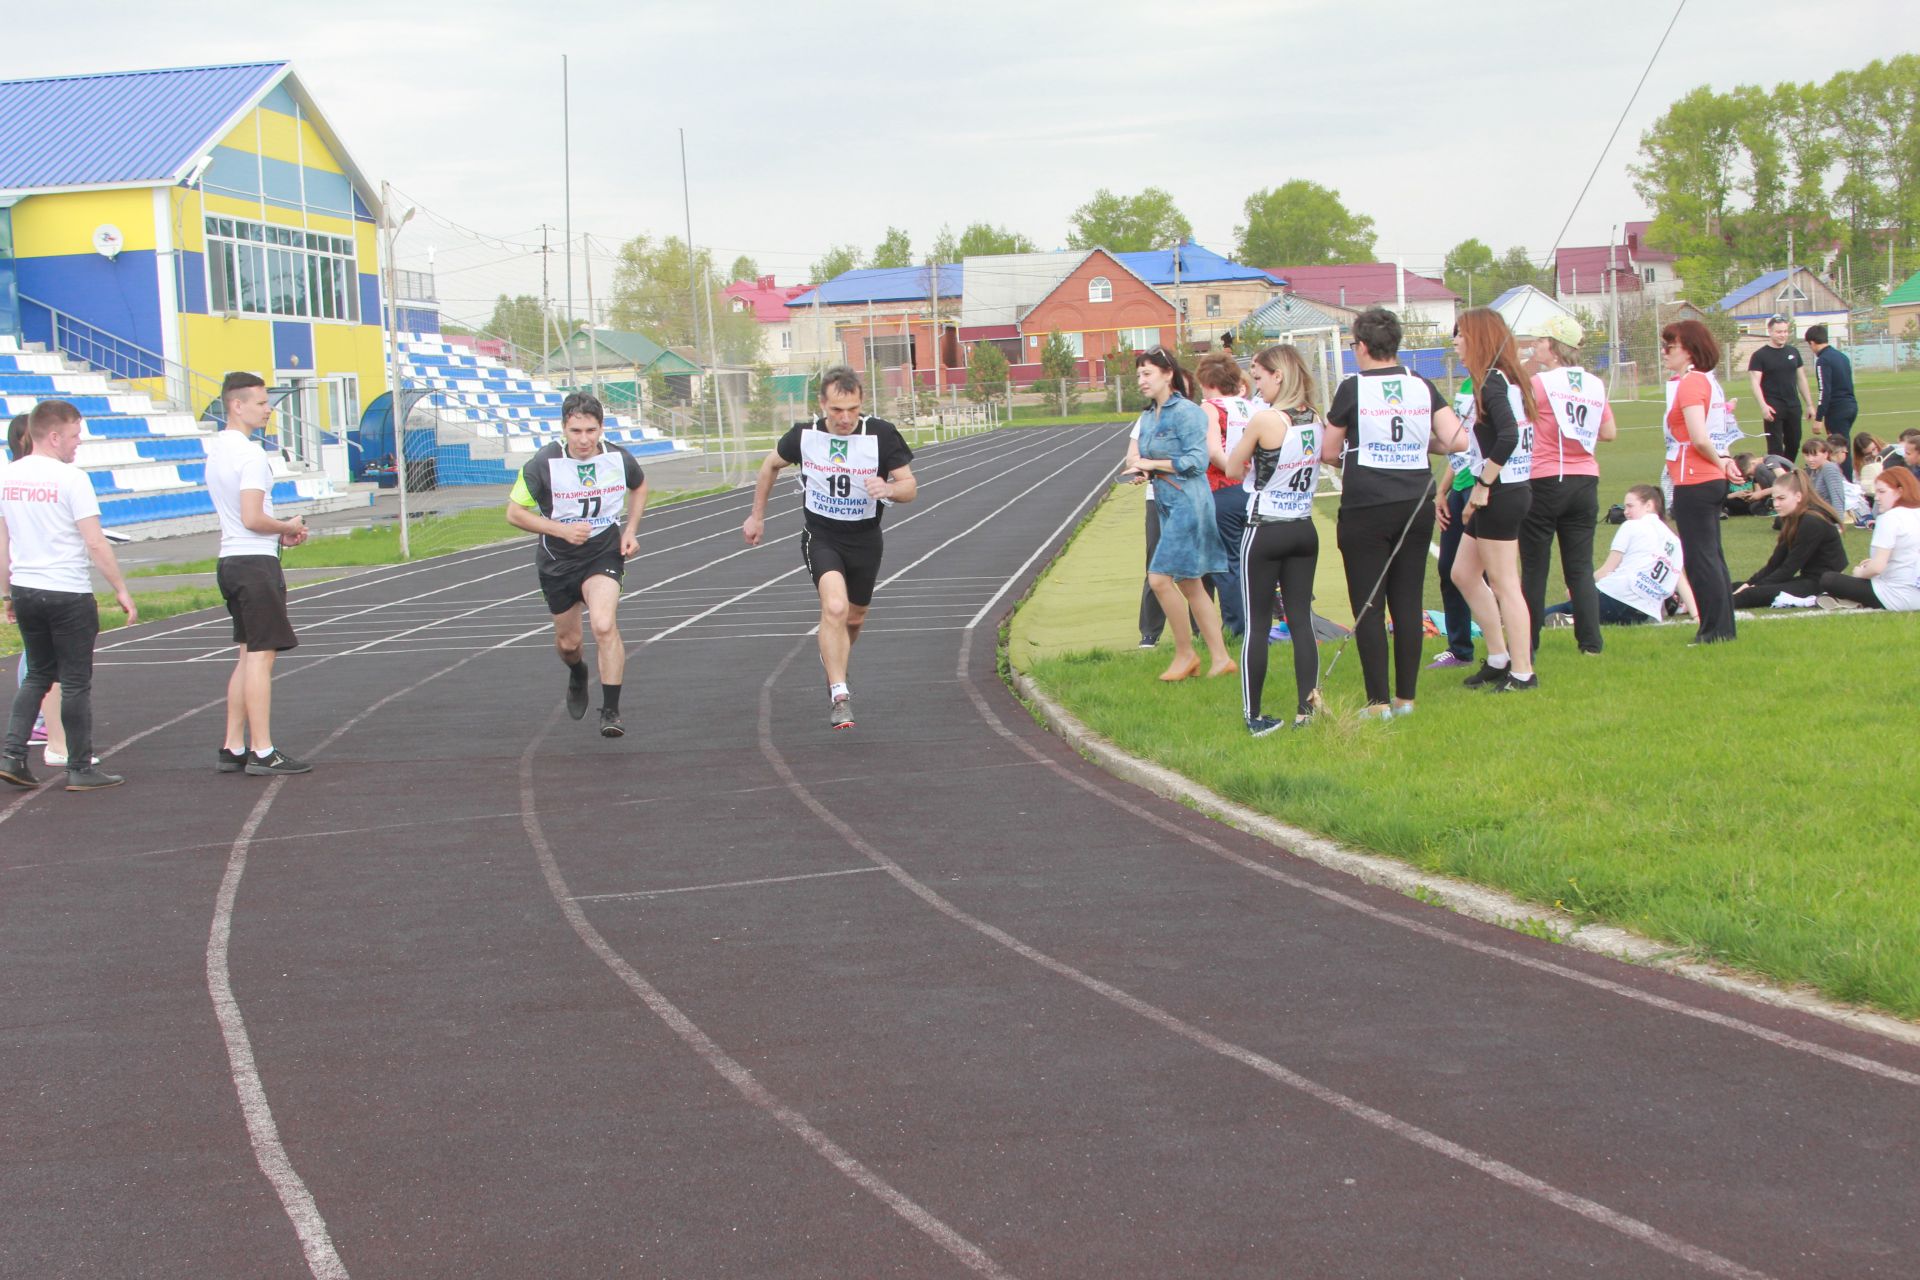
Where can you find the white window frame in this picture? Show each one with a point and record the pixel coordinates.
(1078, 342)
(1213, 305)
(786, 339)
(1139, 339)
(1099, 289)
(266, 269)
(1650, 275)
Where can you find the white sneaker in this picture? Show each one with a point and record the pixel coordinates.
(57, 761)
(1785, 601)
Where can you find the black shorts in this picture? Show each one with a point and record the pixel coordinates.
(1501, 518)
(562, 577)
(854, 556)
(256, 594)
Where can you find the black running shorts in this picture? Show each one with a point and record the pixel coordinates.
(854, 556)
(256, 594)
(561, 578)
(1501, 518)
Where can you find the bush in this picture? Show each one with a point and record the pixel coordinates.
(1057, 362)
(986, 373)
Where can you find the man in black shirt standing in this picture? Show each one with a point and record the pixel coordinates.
(584, 497)
(1837, 408)
(1780, 385)
(849, 465)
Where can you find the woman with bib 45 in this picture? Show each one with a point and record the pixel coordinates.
(1172, 451)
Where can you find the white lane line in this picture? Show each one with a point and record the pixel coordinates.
(720, 1061)
(1499, 1170)
(1839, 1057)
(1105, 483)
(727, 884)
(269, 1152)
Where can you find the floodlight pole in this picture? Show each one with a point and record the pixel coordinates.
(395, 413)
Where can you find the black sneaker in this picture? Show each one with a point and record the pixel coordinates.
(841, 716)
(14, 769)
(1261, 726)
(1514, 684)
(91, 779)
(275, 765)
(610, 725)
(231, 761)
(576, 697)
(1486, 675)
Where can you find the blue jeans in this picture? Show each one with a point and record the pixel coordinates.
(57, 630)
(1459, 615)
(1230, 514)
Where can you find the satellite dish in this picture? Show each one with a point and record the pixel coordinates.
(107, 240)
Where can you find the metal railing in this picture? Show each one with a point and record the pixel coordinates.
(116, 357)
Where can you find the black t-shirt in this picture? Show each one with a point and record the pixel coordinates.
(534, 489)
(894, 454)
(1494, 427)
(1365, 486)
(1779, 369)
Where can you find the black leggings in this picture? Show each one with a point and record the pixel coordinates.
(1762, 594)
(1696, 517)
(1844, 586)
(1366, 536)
(1284, 552)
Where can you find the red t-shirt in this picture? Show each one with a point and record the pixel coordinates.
(1689, 467)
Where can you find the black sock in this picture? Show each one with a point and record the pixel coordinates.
(578, 670)
(611, 692)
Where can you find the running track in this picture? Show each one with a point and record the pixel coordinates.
(737, 996)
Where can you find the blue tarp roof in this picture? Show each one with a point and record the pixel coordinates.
(880, 284)
(1198, 265)
(1751, 287)
(122, 128)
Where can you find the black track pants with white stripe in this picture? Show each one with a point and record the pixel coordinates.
(1284, 553)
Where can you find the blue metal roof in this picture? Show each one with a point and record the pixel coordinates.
(881, 284)
(1198, 265)
(122, 128)
(1751, 287)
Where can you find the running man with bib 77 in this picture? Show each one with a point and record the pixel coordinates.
(850, 465)
(584, 497)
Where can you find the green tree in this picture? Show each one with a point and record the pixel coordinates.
(1512, 269)
(979, 239)
(1120, 369)
(894, 250)
(1302, 223)
(1467, 271)
(518, 320)
(1057, 363)
(1128, 224)
(743, 268)
(1686, 175)
(651, 295)
(986, 373)
(838, 260)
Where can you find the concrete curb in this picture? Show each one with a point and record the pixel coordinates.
(1472, 900)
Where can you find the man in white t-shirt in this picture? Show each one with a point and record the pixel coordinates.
(251, 582)
(49, 530)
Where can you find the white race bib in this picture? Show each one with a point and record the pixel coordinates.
(1649, 576)
(1235, 413)
(1722, 427)
(1393, 416)
(1519, 466)
(1578, 400)
(1288, 492)
(834, 471)
(593, 492)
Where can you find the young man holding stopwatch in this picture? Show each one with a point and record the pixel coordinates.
(584, 497)
(850, 466)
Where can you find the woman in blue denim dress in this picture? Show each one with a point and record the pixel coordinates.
(1171, 450)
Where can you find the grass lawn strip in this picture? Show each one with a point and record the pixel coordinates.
(1680, 803)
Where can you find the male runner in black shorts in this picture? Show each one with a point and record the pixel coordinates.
(849, 465)
(584, 499)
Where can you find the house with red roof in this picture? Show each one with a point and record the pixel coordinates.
(1589, 275)
(1346, 289)
(790, 338)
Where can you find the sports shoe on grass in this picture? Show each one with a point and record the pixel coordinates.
(91, 779)
(231, 761)
(1486, 675)
(1834, 604)
(1514, 684)
(1261, 726)
(1278, 632)
(610, 726)
(14, 769)
(841, 716)
(275, 765)
(576, 697)
(1447, 660)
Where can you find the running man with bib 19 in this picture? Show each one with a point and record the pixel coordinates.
(850, 465)
(584, 497)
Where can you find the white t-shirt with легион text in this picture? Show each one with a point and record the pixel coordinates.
(1898, 532)
(43, 500)
(236, 463)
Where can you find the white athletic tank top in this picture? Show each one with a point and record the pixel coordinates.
(1286, 492)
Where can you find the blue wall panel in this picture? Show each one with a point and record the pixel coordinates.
(282, 181)
(120, 295)
(193, 268)
(278, 99)
(233, 173)
(370, 300)
(292, 344)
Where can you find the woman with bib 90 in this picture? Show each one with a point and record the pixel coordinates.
(1171, 450)
(1698, 471)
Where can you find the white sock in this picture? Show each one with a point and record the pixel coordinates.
(835, 692)
(263, 752)
(1498, 661)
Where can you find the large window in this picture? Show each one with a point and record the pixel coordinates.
(1213, 304)
(258, 268)
(1140, 339)
(1076, 343)
(1099, 289)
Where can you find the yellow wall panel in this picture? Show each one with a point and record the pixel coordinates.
(231, 206)
(243, 136)
(316, 155)
(352, 348)
(279, 137)
(217, 345)
(64, 223)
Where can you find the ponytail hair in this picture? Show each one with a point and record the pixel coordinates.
(1650, 494)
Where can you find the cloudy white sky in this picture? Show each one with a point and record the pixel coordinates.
(809, 124)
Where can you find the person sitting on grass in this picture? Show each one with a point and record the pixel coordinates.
(1826, 477)
(1910, 449)
(1841, 452)
(1889, 578)
(1809, 545)
(1867, 455)
(1643, 569)
(1754, 495)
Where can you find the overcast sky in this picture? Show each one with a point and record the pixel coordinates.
(816, 123)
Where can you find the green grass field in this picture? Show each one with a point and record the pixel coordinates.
(1711, 798)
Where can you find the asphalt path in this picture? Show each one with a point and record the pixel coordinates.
(737, 995)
